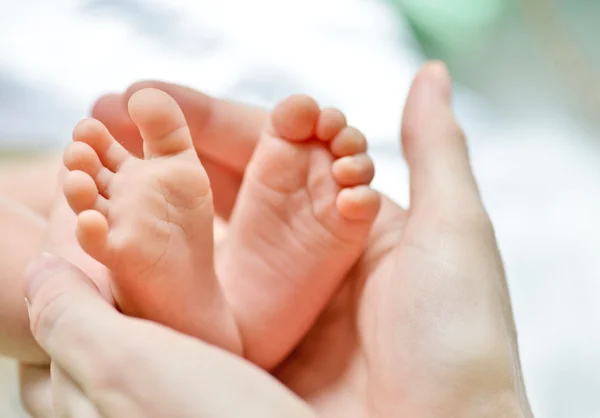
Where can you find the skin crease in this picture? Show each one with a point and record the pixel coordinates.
(422, 326)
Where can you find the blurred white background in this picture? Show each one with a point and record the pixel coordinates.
(534, 145)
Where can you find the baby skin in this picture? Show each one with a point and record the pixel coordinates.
(302, 219)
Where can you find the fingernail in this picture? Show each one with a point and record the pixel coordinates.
(36, 274)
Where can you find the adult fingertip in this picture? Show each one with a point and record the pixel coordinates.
(428, 101)
(111, 110)
(438, 75)
(104, 104)
(140, 85)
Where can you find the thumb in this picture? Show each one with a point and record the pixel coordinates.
(434, 144)
(68, 316)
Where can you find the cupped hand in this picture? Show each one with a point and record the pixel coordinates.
(423, 325)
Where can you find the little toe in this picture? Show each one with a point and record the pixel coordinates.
(161, 123)
(349, 141)
(96, 135)
(79, 156)
(295, 118)
(92, 234)
(360, 203)
(82, 194)
(330, 123)
(353, 170)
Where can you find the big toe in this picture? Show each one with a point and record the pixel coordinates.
(296, 118)
(161, 123)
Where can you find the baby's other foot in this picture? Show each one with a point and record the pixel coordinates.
(150, 221)
(302, 220)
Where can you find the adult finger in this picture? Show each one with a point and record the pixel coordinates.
(225, 131)
(36, 390)
(225, 185)
(69, 399)
(434, 144)
(46, 394)
(135, 368)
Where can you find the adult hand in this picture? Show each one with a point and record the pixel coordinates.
(423, 325)
(105, 364)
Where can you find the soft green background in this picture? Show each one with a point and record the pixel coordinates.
(518, 53)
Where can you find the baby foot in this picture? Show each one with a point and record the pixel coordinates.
(150, 221)
(302, 220)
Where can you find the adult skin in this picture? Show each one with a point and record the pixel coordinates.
(422, 326)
